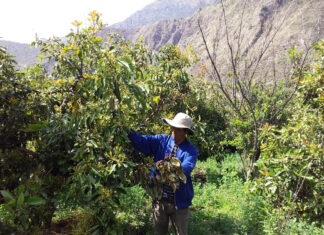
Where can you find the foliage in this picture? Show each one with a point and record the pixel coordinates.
(302, 227)
(135, 212)
(210, 126)
(23, 207)
(293, 226)
(76, 116)
(64, 138)
(292, 162)
(224, 204)
(168, 172)
(21, 110)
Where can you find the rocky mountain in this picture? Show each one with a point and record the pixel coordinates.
(249, 22)
(292, 22)
(156, 11)
(162, 10)
(23, 54)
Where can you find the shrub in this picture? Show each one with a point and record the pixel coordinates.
(292, 159)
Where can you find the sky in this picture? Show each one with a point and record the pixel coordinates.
(20, 20)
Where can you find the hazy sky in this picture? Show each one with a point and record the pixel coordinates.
(20, 20)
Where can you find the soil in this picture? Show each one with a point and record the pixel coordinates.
(61, 227)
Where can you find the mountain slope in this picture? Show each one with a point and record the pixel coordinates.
(23, 54)
(303, 18)
(302, 23)
(162, 10)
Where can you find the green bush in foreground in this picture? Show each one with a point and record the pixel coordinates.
(74, 121)
(223, 204)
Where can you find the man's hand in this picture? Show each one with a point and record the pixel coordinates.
(158, 163)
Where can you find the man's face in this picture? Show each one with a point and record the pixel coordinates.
(178, 134)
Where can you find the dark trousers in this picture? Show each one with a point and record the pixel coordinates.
(163, 211)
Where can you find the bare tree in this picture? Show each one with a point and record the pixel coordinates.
(253, 90)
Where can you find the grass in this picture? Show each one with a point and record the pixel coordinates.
(219, 206)
(223, 204)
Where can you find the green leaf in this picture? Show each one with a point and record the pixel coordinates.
(34, 127)
(273, 189)
(35, 201)
(156, 99)
(21, 189)
(268, 183)
(7, 195)
(112, 169)
(117, 91)
(126, 62)
(96, 172)
(11, 203)
(91, 179)
(21, 198)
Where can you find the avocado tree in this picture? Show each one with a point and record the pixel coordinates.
(95, 90)
(292, 158)
(21, 108)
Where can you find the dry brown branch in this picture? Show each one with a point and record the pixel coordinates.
(215, 68)
(301, 69)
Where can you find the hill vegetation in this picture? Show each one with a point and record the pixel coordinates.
(300, 22)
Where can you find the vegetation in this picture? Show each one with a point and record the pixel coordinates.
(292, 158)
(249, 94)
(65, 157)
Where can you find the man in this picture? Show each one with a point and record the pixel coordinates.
(174, 206)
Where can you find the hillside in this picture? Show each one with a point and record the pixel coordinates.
(302, 23)
(156, 11)
(23, 53)
(162, 10)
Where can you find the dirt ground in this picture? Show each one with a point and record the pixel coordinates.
(61, 227)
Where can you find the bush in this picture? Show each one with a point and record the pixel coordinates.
(292, 158)
(68, 129)
(301, 227)
(135, 212)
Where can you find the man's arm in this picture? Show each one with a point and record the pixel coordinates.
(147, 144)
(189, 162)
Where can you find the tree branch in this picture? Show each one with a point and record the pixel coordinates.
(70, 94)
(217, 73)
(299, 187)
(27, 151)
(295, 89)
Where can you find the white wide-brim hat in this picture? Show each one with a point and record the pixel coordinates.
(181, 120)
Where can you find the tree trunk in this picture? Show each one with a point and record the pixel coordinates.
(252, 168)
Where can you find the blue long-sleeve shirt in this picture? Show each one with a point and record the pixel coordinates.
(159, 146)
